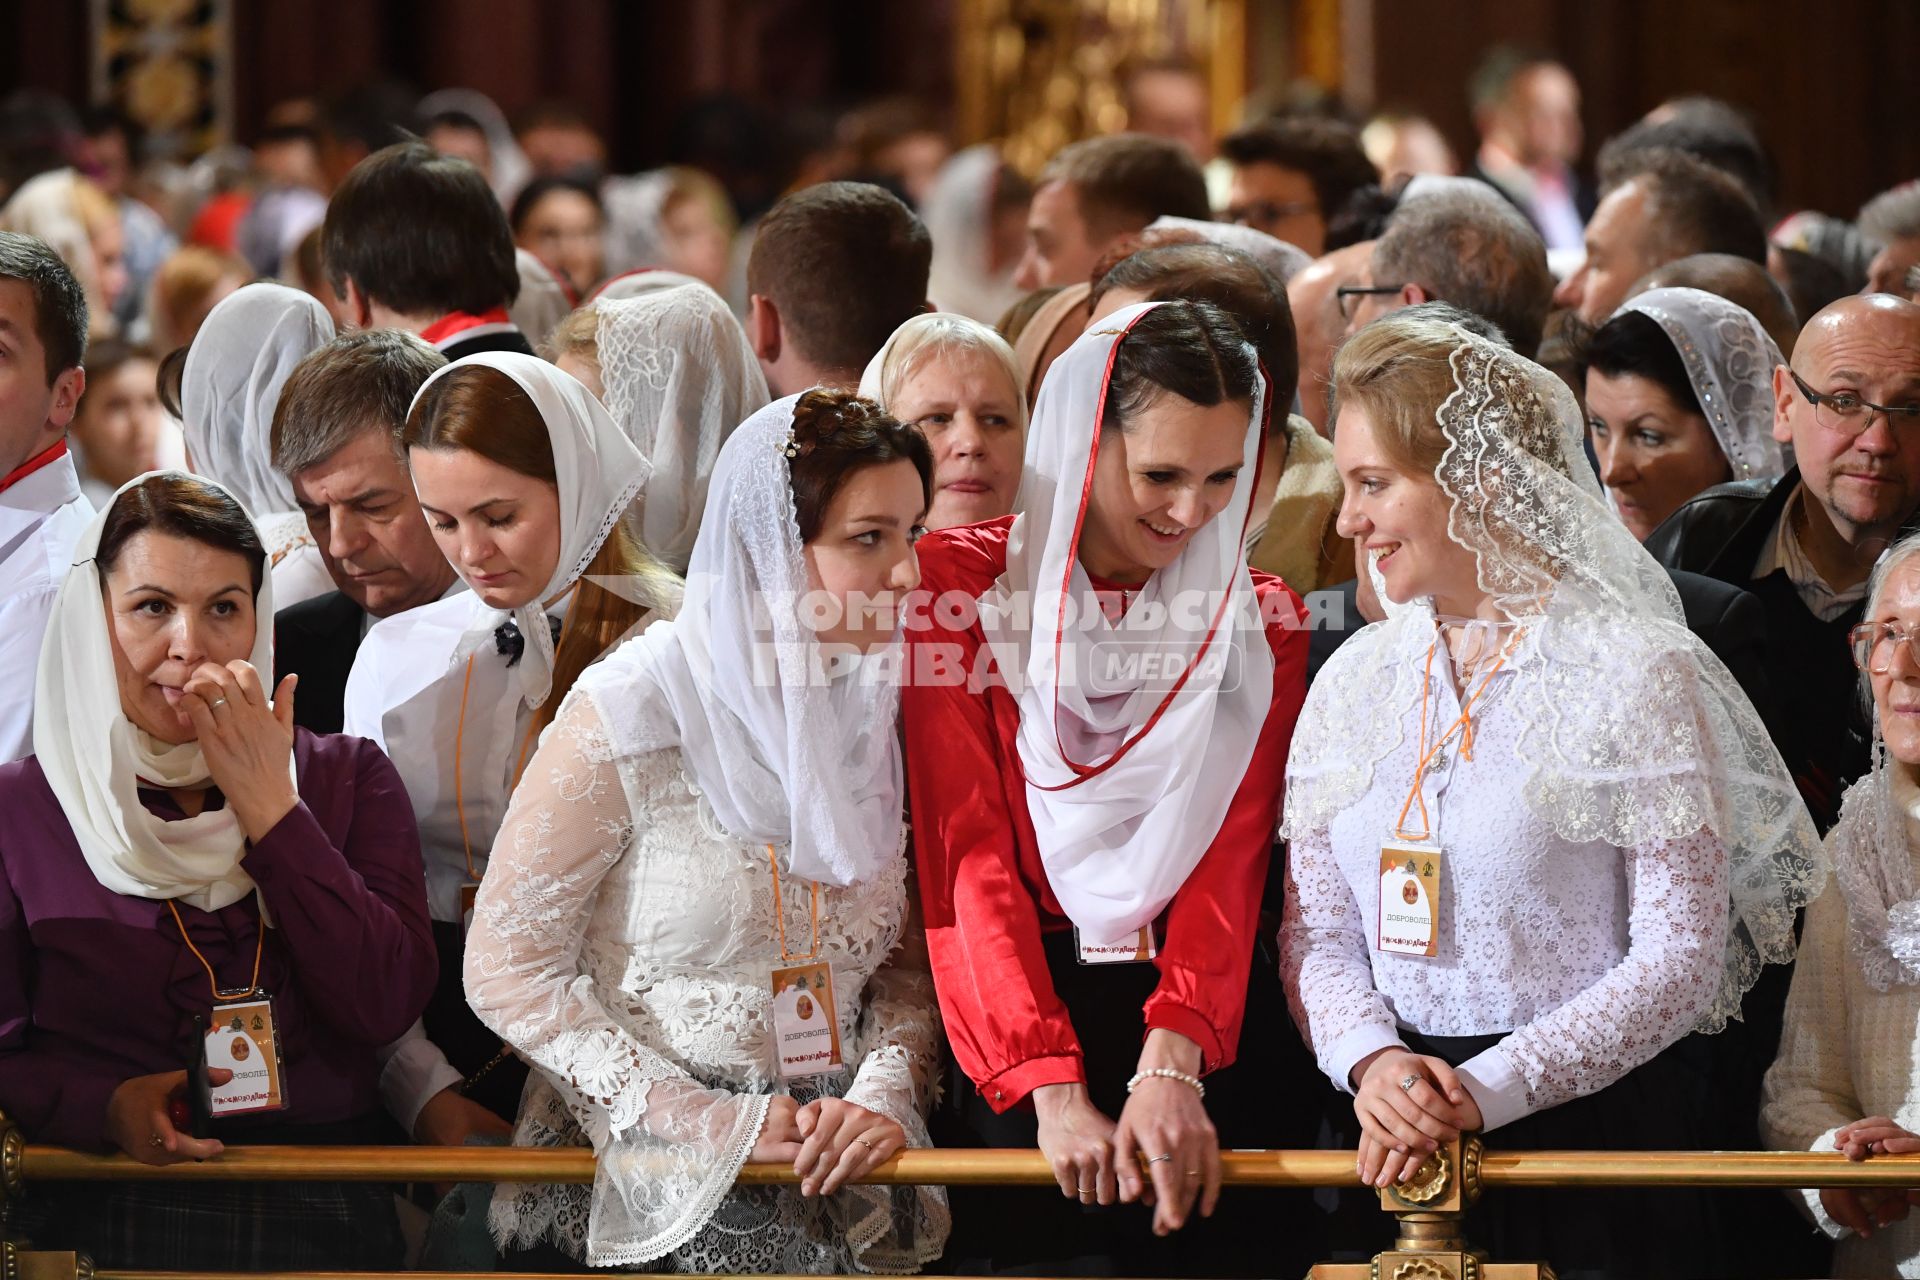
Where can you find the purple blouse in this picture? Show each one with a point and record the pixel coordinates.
(97, 987)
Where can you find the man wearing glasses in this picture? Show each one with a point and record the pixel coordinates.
(1849, 405)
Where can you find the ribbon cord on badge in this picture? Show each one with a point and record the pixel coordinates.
(213, 982)
(780, 915)
(1462, 726)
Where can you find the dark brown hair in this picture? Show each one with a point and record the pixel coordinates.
(1231, 281)
(181, 506)
(1327, 151)
(837, 433)
(1192, 349)
(845, 264)
(485, 411)
(1125, 180)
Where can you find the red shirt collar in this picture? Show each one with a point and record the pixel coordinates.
(459, 322)
(33, 464)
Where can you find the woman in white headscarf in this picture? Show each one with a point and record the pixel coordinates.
(1848, 1075)
(976, 216)
(177, 854)
(674, 368)
(691, 925)
(229, 389)
(525, 482)
(955, 379)
(1096, 732)
(1537, 832)
(1679, 392)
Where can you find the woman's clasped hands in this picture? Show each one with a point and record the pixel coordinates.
(830, 1141)
(1407, 1105)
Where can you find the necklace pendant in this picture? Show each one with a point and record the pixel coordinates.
(1437, 763)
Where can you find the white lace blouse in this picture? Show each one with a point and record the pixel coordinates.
(623, 944)
(1588, 957)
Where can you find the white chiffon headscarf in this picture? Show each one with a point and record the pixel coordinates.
(597, 473)
(1127, 779)
(94, 757)
(1730, 362)
(511, 168)
(1556, 562)
(544, 299)
(679, 376)
(239, 361)
(959, 215)
(786, 756)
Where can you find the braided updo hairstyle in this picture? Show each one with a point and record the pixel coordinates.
(836, 433)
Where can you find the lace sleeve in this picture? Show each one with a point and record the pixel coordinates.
(1677, 926)
(668, 1147)
(900, 1229)
(1325, 963)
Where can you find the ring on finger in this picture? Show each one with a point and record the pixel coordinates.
(1407, 1082)
(1159, 1158)
(216, 703)
(155, 1140)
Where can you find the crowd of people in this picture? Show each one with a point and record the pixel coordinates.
(1257, 642)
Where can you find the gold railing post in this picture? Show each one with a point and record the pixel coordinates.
(17, 1262)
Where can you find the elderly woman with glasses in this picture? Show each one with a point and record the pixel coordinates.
(1848, 1075)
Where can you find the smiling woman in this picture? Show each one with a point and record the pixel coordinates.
(1092, 826)
(175, 827)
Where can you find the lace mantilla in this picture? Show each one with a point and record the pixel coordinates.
(1872, 847)
(1730, 361)
(1634, 730)
(623, 945)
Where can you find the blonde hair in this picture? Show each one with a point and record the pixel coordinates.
(578, 336)
(1398, 371)
(181, 294)
(942, 334)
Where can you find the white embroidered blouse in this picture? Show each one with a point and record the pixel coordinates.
(623, 944)
(1590, 958)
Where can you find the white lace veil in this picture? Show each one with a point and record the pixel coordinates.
(597, 472)
(1128, 776)
(239, 361)
(1730, 362)
(679, 377)
(785, 756)
(1558, 563)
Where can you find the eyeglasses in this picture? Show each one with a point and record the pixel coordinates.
(1847, 413)
(1875, 643)
(1347, 293)
(1261, 214)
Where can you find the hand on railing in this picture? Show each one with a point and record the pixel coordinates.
(1077, 1139)
(140, 1118)
(843, 1141)
(1165, 1129)
(1864, 1210)
(1407, 1105)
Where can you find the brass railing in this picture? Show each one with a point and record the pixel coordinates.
(1429, 1209)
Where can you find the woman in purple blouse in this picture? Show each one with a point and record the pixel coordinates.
(210, 920)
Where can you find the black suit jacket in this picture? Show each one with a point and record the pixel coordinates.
(317, 639)
(510, 341)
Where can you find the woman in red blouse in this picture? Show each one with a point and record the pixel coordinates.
(1097, 722)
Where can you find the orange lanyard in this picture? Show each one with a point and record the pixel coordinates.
(459, 739)
(213, 982)
(780, 914)
(1462, 726)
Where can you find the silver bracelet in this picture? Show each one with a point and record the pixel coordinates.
(1168, 1073)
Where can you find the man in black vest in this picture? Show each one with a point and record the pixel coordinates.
(416, 240)
(1849, 404)
(336, 434)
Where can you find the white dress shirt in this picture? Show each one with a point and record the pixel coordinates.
(406, 693)
(41, 516)
(1589, 958)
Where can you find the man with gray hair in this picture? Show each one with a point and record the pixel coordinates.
(336, 437)
(1891, 223)
(1456, 240)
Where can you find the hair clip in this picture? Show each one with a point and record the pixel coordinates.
(791, 448)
